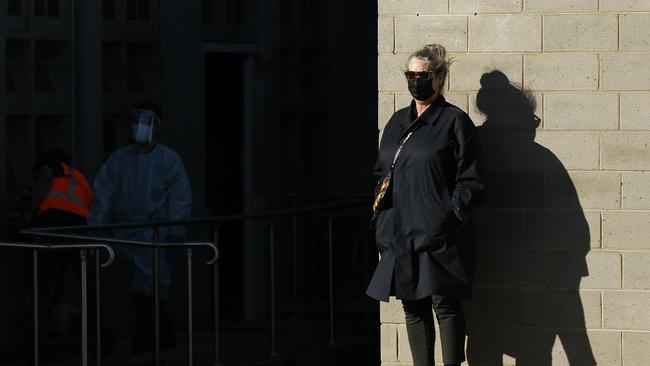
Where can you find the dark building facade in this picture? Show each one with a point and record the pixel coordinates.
(270, 103)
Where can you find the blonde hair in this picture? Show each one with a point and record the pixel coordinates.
(436, 56)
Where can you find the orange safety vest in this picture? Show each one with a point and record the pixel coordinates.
(70, 193)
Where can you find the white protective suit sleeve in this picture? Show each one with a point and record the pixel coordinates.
(104, 191)
(179, 194)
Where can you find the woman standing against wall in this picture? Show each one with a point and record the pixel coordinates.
(428, 185)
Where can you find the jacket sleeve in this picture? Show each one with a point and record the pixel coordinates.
(469, 186)
(179, 193)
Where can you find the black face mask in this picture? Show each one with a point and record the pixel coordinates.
(421, 89)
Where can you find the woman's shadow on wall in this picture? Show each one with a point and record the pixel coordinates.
(532, 239)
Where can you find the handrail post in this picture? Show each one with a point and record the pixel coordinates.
(190, 322)
(295, 254)
(215, 274)
(156, 294)
(272, 276)
(331, 279)
(84, 309)
(98, 320)
(35, 299)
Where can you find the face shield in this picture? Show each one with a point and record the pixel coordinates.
(142, 123)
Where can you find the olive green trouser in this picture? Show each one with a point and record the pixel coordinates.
(421, 331)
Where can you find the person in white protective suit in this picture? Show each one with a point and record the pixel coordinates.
(143, 182)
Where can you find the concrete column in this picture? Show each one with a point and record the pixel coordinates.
(87, 102)
(3, 169)
(336, 117)
(182, 90)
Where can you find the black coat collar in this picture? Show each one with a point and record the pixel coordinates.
(430, 116)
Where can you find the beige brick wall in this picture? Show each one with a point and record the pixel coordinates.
(563, 236)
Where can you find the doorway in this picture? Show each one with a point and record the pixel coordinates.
(224, 126)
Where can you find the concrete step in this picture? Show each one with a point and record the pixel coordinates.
(238, 348)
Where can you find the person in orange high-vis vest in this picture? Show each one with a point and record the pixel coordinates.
(61, 196)
(69, 192)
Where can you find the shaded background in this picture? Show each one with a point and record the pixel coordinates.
(270, 103)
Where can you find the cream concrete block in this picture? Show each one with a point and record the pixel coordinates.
(566, 71)
(594, 222)
(389, 342)
(626, 230)
(411, 7)
(467, 69)
(580, 32)
(457, 99)
(605, 345)
(624, 5)
(566, 229)
(385, 34)
(626, 310)
(636, 348)
(576, 150)
(636, 190)
(499, 227)
(411, 33)
(391, 312)
(404, 350)
(560, 6)
(580, 111)
(474, 113)
(596, 190)
(625, 151)
(604, 271)
(636, 271)
(510, 266)
(574, 269)
(402, 100)
(505, 33)
(635, 31)
(635, 109)
(391, 72)
(495, 306)
(479, 118)
(563, 308)
(485, 6)
(521, 345)
(625, 71)
(386, 109)
(509, 189)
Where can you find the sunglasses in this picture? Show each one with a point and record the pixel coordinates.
(410, 75)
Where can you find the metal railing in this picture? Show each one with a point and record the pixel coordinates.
(215, 222)
(156, 245)
(84, 286)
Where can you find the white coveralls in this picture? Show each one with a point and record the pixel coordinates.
(132, 188)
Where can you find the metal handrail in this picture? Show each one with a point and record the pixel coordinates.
(109, 249)
(84, 288)
(43, 232)
(202, 220)
(215, 221)
(156, 245)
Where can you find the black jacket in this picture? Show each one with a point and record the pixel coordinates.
(424, 235)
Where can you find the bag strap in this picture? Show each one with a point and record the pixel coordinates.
(401, 145)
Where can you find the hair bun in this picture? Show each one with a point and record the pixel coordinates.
(436, 55)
